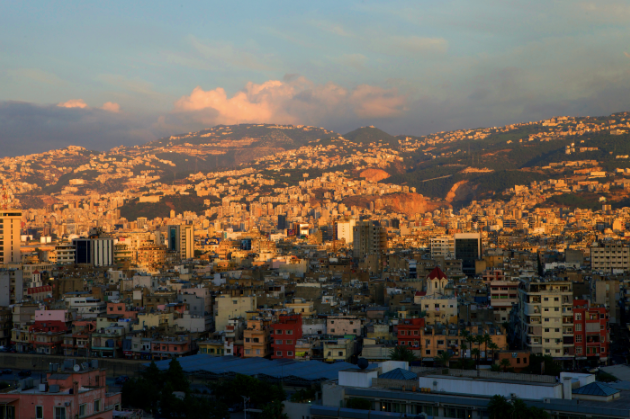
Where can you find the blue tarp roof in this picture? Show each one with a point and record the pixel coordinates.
(277, 368)
(399, 374)
(596, 389)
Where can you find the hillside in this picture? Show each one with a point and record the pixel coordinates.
(449, 168)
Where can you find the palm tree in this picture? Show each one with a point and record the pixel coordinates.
(477, 353)
(493, 346)
(464, 348)
(505, 363)
(487, 339)
(444, 358)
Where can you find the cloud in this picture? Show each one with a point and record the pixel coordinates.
(29, 128)
(293, 100)
(73, 103)
(626, 54)
(111, 107)
(39, 76)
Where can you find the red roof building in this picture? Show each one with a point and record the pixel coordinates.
(590, 331)
(410, 332)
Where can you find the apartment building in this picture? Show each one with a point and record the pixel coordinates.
(590, 330)
(442, 246)
(10, 227)
(545, 317)
(256, 337)
(503, 295)
(284, 336)
(610, 257)
(369, 238)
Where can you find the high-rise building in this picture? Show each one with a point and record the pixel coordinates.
(369, 238)
(443, 246)
(282, 222)
(94, 251)
(10, 225)
(344, 231)
(468, 249)
(181, 239)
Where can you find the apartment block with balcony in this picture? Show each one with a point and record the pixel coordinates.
(544, 321)
(410, 333)
(591, 331)
(503, 295)
(610, 257)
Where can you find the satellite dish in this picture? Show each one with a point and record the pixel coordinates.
(77, 368)
(363, 363)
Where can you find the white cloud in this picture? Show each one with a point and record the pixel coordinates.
(73, 103)
(111, 107)
(294, 100)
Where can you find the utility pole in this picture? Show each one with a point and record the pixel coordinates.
(245, 400)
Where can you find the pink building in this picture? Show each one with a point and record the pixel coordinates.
(75, 392)
(121, 309)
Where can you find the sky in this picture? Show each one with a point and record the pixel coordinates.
(103, 74)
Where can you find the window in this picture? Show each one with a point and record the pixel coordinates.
(278, 342)
(340, 353)
(546, 330)
(279, 353)
(289, 353)
(97, 405)
(402, 333)
(578, 338)
(289, 332)
(332, 330)
(556, 299)
(257, 351)
(428, 351)
(289, 342)
(82, 410)
(278, 332)
(248, 351)
(60, 413)
(578, 316)
(246, 339)
(578, 327)
(39, 412)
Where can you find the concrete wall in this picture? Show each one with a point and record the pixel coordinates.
(534, 391)
(114, 367)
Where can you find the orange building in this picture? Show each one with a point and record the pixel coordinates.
(256, 340)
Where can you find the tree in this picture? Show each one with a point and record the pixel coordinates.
(140, 393)
(274, 410)
(464, 349)
(487, 339)
(499, 407)
(477, 353)
(444, 358)
(537, 361)
(402, 353)
(176, 377)
(152, 374)
(171, 407)
(505, 364)
(494, 347)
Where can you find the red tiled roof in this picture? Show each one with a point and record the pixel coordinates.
(437, 273)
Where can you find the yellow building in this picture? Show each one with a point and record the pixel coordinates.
(211, 347)
(303, 307)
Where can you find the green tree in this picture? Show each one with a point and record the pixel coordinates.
(494, 347)
(140, 393)
(487, 340)
(444, 358)
(176, 377)
(550, 366)
(274, 410)
(499, 407)
(477, 354)
(402, 353)
(152, 374)
(171, 407)
(505, 364)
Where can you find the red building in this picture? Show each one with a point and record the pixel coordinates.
(410, 332)
(590, 331)
(47, 336)
(284, 335)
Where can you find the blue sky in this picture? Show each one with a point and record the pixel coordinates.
(408, 67)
